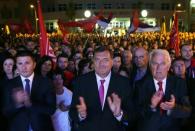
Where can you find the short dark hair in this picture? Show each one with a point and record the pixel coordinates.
(102, 49)
(177, 59)
(57, 72)
(62, 55)
(25, 53)
(185, 44)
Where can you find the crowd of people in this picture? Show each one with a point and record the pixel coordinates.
(97, 83)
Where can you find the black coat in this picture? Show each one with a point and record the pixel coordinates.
(38, 115)
(150, 120)
(98, 119)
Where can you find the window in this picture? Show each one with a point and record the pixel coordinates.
(120, 5)
(107, 6)
(49, 26)
(62, 7)
(117, 24)
(78, 6)
(121, 24)
(134, 6)
(6, 13)
(149, 5)
(51, 8)
(165, 6)
(91, 6)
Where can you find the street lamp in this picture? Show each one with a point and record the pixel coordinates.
(144, 13)
(87, 13)
(36, 18)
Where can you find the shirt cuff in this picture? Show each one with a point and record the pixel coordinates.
(169, 112)
(119, 118)
(153, 109)
(81, 118)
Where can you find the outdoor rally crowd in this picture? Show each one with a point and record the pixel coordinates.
(97, 83)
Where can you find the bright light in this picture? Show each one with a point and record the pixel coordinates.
(87, 13)
(192, 1)
(32, 6)
(144, 13)
(179, 5)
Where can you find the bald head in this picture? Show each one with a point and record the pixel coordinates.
(141, 57)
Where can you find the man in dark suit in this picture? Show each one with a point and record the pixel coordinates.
(140, 69)
(161, 100)
(29, 99)
(101, 99)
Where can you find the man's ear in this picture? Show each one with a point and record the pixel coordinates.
(35, 64)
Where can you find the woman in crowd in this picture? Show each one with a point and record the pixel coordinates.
(8, 68)
(45, 67)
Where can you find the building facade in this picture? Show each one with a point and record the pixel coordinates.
(67, 10)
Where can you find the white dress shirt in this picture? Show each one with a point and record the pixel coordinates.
(164, 89)
(106, 84)
(24, 82)
(163, 84)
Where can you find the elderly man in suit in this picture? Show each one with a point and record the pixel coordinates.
(101, 99)
(29, 99)
(161, 100)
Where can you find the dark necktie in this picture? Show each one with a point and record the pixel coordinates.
(161, 90)
(160, 86)
(27, 86)
(101, 92)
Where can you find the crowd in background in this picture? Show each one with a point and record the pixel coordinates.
(75, 58)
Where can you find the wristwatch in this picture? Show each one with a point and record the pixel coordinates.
(119, 114)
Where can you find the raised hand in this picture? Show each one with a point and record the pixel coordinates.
(27, 101)
(82, 108)
(168, 105)
(18, 96)
(156, 98)
(114, 103)
(63, 107)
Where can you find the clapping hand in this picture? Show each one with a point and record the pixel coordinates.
(18, 96)
(27, 101)
(168, 105)
(156, 98)
(114, 102)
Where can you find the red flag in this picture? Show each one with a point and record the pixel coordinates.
(134, 22)
(14, 27)
(64, 31)
(174, 37)
(28, 26)
(45, 47)
(88, 24)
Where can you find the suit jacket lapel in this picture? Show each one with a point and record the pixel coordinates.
(168, 90)
(111, 89)
(18, 83)
(94, 91)
(151, 85)
(35, 83)
(111, 85)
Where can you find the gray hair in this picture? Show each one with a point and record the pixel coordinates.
(160, 52)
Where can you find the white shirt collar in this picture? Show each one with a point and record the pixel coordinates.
(24, 82)
(163, 84)
(106, 84)
(30, 77)
(105, 78)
